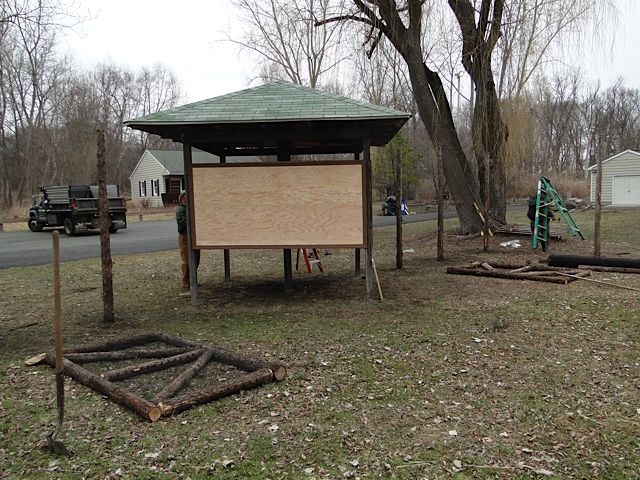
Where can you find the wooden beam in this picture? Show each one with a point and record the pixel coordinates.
(368, 185)
(188, 179)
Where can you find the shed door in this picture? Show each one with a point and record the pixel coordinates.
(626, 190)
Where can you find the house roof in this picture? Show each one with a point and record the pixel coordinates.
(594, 167)
(261, 119)
(173, 160)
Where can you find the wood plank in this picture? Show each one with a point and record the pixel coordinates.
(290, 205)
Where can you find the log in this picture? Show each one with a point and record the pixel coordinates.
(115, 344)
(488, 267)
(177, 383)
(112, 356)
(222, 355)
(252, 380)
(596, 268)
(140, 406)
(573, 261)
(526, 268)
(152, 366)
(507, 275)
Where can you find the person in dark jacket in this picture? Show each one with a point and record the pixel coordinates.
(183, 243)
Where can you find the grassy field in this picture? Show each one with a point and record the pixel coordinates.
(449, 377)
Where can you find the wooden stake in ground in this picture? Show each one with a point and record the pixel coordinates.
(399, 210)
(598, 210)
(105, 239)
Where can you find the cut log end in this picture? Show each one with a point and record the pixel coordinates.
(155, 413)
(280, 373)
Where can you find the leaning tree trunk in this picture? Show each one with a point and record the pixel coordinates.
(490, 136)
(436, 115)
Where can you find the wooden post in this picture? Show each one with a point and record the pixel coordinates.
(356, 270)
(399, 211)
(105, 239)
(598, 207)
(366, 143)
(440, 183)
(193, 268)
(226, 253)
(284, 155)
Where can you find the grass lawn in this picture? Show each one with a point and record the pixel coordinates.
(449, 377)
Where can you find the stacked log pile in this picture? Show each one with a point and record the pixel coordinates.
(541, 273)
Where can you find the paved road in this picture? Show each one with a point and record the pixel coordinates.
(20, 249)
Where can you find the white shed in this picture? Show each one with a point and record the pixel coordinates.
(620, 179)
(158, 177)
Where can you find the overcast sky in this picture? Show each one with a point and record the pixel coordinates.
(181, 34)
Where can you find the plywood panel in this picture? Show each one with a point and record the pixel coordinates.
(279, 205)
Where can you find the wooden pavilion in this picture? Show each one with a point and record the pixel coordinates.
(295, 201)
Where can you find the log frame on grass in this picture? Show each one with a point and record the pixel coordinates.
(121, 396)
(114, 356)
(519, 272)
(259, 372)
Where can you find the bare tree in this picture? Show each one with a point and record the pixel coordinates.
(538, 33)
(29, 80)
(282, 35)
(158, 89)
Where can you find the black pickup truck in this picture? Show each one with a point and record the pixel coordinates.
(75, 208)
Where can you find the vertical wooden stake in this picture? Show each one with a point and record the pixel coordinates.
(399, 211)
(598, 210)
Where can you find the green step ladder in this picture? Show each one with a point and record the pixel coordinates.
(546, 198)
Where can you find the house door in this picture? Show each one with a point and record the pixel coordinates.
(626, 190)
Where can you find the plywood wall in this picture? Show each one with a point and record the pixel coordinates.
(285, 205)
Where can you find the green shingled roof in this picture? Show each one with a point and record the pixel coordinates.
(272, 102)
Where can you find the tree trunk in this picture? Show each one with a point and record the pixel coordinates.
(435, 113)
(105, 239)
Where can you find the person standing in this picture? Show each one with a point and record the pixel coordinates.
(183, 243)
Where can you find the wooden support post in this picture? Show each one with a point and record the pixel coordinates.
(227, 265)
(398, 211)
(356, 272)
(598, 208)
(226, 254)
(284, 155)
(193, 268)
(369, 215)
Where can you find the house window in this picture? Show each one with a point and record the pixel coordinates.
(176, 185)
(143, 188)
(155, 188)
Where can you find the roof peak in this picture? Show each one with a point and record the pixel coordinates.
(271, 102)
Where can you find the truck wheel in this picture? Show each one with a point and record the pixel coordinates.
(34, 226)
(113, 228)
(69, 227)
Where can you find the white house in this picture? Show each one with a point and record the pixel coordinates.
(158, 177)
(620, 179)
